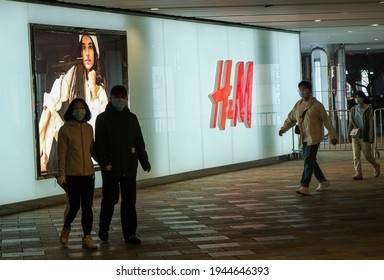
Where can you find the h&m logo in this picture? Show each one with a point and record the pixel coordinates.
(239, 107)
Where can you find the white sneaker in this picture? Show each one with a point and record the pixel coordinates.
(322, 186)
(302, 190)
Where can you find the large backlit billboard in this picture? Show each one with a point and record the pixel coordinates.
(68, 63)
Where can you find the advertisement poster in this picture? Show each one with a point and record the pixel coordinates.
(68, 63)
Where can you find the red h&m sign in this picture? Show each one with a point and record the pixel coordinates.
(242, 105)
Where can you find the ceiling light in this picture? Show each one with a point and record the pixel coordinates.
(375, 24)
(155, 9)
(317, 20)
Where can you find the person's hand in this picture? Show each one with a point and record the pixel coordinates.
(334, 141)
(43, 157)
(43, 154)
(43, 160)
(281, 132)
(62, 183)
(147, 168)
(92, 83)
(108, 167)
(61, 180)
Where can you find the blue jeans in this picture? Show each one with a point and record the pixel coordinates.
(310, 165)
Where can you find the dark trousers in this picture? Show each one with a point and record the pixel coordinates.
(310, 165)
(80, 193)
(112, 186)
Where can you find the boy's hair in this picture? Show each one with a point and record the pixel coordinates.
(119, 90)
(305, 84)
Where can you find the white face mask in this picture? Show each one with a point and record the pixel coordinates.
(303, 94)
(79, 114)
(119, 103)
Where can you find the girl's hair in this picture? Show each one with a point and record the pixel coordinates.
(68, 114)
(361, 94)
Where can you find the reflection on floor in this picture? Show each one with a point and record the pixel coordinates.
(248, 214)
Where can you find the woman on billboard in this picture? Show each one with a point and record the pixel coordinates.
(82, 80)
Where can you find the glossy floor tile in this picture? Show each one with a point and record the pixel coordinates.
(248, 214)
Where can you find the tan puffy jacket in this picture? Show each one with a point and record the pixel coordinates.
(75, 149)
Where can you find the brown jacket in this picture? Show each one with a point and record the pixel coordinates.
(75, 150)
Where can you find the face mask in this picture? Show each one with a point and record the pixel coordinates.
(119, 103)
(78, 114)
(303, 94)
(358, 100)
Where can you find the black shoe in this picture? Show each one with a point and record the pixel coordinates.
(133, 240)
(103, 235)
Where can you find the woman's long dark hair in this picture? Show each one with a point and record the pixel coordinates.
(100, 81)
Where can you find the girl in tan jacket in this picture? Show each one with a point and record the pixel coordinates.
(76, 170)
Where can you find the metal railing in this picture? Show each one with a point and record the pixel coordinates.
(378, 119)
(340, 121)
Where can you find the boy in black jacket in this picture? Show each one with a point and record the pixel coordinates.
(119, 147)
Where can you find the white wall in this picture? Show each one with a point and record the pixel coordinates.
(172, 73)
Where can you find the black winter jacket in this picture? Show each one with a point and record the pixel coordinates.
(119, 142)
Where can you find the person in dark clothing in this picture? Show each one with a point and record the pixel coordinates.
(119, 145)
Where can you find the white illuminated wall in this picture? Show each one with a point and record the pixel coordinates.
(172, 74)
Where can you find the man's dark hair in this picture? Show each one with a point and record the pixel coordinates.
(305, 84)
(119, 91)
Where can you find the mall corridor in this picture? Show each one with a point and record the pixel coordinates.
(248, 214)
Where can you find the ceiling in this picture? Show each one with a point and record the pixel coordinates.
(358, 24)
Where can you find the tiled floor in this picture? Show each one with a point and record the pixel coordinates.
(248, 214)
